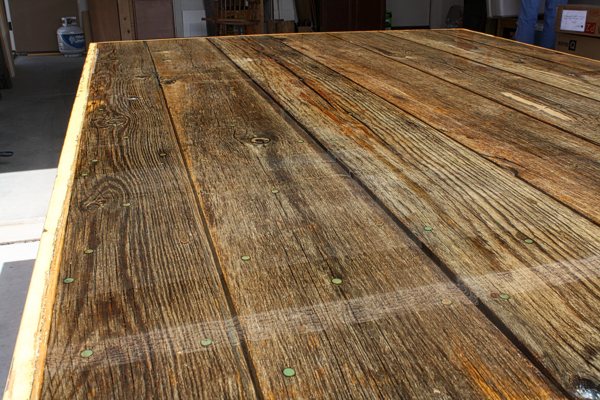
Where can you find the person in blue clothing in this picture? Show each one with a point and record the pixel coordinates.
(528, 18)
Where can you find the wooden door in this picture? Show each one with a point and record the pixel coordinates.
(104, 20)
(111, 20)
(35, 23)
(154, 19)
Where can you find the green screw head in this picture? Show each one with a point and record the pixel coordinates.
(206, 342)
(260, 140)
(84, 174)
(504, 296)
(126, 204)
(86, 353)
(427, 228)
(289, 372)
(528, 241)
(300, 141)
(275, 191)
(88, 251)
(245, 258)
(94, 161)
(336, 281)
(69, 280)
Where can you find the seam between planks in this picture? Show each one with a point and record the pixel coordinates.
(342, 37)
(198, 201)
(515, 53)
(491, 66)
(513, 174)
(459, 283)
(525, 45)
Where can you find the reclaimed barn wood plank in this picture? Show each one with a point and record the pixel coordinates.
(138, 287)
(560, 164)
(27, 367)
(546, 72)
(394, 326)
(531, 262)
(572, 113)
(575, 63)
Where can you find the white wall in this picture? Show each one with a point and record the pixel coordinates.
(188, 16)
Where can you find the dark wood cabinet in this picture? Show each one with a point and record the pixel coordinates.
(350, 15)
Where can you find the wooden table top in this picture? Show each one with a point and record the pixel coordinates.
(399, 214)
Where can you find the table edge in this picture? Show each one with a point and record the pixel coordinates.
(27, 367)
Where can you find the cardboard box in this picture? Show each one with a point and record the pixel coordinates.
(578, 30)
(579, 20)
(581, 45)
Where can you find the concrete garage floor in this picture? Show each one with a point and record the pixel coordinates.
(33, 120)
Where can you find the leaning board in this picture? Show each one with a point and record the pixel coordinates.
(348, 215)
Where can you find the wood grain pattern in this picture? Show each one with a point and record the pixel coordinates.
(27, 367)
(572, 113)
(562, 165)
(481, 215)
(546, 72)
(575, 63)
(392, 215)
(269, 192)
(150, 291)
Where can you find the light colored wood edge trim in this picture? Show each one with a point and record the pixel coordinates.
(27, 368)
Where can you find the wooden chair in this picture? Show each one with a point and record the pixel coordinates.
(238, 17)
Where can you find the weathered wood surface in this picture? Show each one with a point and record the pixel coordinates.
(368, 209)
(572, 113)
(564, 166)
(27, 367)
(150, 291)
(481, 215)
(321, 225)
(543, 71)
(575, 63)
